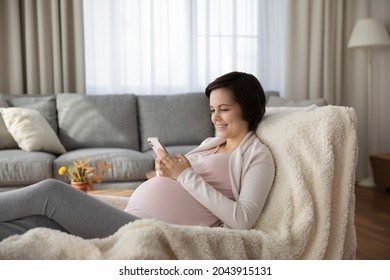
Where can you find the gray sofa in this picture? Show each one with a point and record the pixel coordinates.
(112, 128)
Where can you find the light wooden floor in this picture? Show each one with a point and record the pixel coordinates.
(372, 222)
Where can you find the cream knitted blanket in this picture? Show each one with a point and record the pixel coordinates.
(309, 213)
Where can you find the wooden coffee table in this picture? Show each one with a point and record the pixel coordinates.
(126, 193)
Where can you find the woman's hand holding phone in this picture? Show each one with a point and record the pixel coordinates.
(171, 166)
(167, 165)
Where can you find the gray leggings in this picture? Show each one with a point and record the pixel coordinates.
(76, 212)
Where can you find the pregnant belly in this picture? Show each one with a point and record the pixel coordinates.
(166, 200)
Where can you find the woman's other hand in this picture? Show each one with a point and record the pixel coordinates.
(171, 166)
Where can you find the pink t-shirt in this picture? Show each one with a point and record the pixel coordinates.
(165, 199)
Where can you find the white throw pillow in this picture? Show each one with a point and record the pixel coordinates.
(31, 130)
(6, 140)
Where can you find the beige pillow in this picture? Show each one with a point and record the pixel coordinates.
(31, 130)
(6, 140)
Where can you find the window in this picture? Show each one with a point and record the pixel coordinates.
(177, 46)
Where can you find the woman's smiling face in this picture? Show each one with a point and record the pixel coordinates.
(226, 115)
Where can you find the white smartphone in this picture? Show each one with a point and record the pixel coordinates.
(155, 144)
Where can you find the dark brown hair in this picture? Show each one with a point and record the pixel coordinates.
(247, 92)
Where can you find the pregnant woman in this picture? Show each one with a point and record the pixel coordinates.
(223, 182)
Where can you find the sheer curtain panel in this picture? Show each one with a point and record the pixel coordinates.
(175, 46)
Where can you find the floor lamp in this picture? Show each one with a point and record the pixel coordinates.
(369, 33)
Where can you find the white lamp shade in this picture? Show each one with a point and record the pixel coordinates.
(369, 33)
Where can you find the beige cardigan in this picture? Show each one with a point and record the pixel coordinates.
(252, 172)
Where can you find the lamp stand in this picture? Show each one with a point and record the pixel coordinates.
(368, 181)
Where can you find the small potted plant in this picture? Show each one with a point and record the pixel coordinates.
(82, 176)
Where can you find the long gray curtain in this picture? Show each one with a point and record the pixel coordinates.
(319, 64)
(41, 46)
(316, 44)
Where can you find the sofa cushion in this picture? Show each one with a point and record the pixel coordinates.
(31, 130)
(7, 141)
(3, 103)
(270, 93)
(181, 119)
(127, 165)
(275, 101)
(18, 167)
(97, 121)
(44, 104)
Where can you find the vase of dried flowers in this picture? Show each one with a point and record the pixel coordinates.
(82, 186)
(82, 176)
